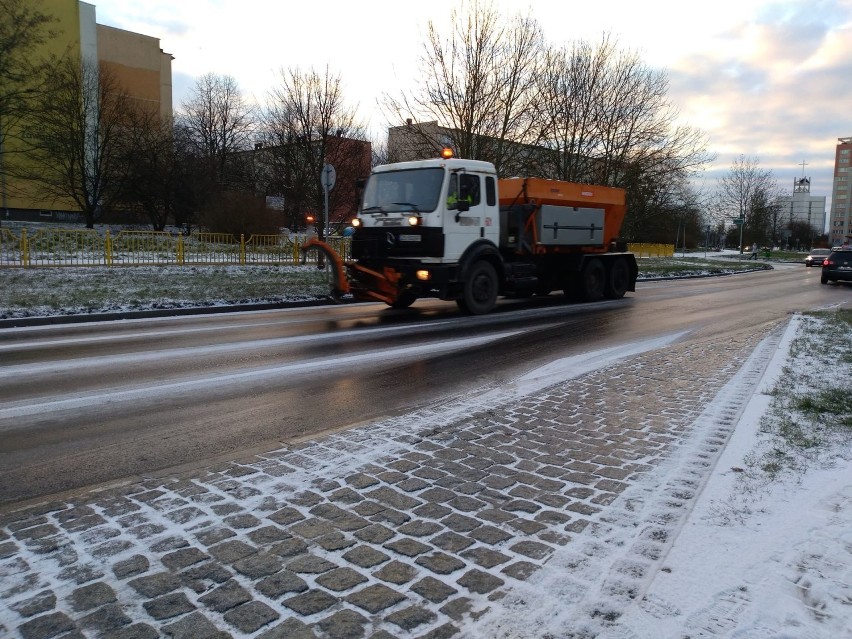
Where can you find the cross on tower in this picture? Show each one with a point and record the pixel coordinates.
(804, 164)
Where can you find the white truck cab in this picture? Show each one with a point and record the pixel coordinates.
(430, 210)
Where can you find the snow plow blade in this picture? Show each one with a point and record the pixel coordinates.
(341, 284)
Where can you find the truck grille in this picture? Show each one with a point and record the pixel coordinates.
(380, 243)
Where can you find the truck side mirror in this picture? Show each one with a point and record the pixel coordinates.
(461, 207)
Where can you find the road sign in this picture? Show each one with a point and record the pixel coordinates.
(739, 221)
(328, 177)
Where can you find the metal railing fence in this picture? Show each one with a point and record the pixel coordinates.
(88, 247)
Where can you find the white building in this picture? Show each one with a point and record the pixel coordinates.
(801, 206)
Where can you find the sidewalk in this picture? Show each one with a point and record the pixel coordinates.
(451, 521)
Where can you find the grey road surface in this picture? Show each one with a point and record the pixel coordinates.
(86, 404)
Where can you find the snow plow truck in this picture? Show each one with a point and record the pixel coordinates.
(448, 228)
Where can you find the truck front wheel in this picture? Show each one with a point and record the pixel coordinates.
(479, 293)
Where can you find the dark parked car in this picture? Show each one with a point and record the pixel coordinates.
(816, 257)
(837, 266)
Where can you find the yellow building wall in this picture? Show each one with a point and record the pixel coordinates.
(137, 60)
(140, 66)
(73, 37)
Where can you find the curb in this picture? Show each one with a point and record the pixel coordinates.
(49, 320)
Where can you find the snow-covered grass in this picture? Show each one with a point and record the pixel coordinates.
(811, 411)
(26, 292)
(70, 290)
(662, 267)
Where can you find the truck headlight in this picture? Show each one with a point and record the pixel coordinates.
(413, 220)
(423, 275)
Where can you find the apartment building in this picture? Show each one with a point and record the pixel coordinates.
(137, 62)
(840, 218)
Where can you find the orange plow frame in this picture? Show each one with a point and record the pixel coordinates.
(383, 286)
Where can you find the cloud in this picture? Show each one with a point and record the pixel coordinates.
(775, 89)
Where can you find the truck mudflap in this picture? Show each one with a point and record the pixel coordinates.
(340, 285)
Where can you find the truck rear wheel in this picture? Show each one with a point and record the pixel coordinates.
(618, 279)
(592, 281)
(479, 294)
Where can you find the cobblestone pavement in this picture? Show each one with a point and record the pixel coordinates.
(393, 530)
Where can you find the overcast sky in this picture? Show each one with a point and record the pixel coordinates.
(770, 80)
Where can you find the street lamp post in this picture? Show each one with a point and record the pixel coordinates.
(741, 222)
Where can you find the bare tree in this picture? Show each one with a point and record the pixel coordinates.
(307, 125)
(801, 235)
(613, 114)
(379, 152)
(605, 119)
(221, 125)
(76, 138)
(661, 207)
(569, 85)
(764, 224)
(162, 171)
(746, 193)
(479, 87)
(581, 113)
(23, 29)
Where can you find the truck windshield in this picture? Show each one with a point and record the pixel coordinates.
(396, 191)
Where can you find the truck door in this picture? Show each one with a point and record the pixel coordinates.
(468, 222)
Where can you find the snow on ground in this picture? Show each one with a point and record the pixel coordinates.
(755, 560)
(772, 560)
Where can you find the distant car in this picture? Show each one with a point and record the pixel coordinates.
(816, 257)
(837, 267)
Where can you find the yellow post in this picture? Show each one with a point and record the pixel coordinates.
(180, 250)
(108, 249)
(242, 249)
(25, 253)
